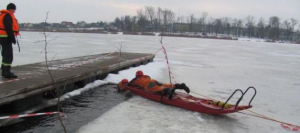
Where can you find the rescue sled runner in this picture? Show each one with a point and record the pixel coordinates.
(192, 103)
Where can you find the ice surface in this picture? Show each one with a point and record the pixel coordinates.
(214, 68)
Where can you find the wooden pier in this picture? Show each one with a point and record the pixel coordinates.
(34, 82)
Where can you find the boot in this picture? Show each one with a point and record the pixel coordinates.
(2, 73)
(185, 88)
(182, 86)
(7, 74)
(2, 70)
(171, 93)
(168, 91)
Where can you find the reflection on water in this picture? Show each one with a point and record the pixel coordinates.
(79, 110)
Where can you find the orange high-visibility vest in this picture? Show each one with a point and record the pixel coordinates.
(14, 20)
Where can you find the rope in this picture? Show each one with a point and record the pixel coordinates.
(268, 118)
(285, 125)
(205, 96)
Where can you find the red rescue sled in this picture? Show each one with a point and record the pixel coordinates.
(192, 103)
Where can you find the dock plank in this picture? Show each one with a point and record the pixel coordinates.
(34, 78)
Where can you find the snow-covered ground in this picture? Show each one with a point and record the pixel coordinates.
(214, 68)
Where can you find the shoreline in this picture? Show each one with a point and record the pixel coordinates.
(139, 33)
(166, 35)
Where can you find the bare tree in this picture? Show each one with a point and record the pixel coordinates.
(210, 25)
(202, 21)
(133, 23)
(158, 18)
(122, 22)
(117, 22)
(58, 93)
(240, 24)
(217, 26)
(234, 26)
(226, 24)
(294, 22)
(120, 47)
(288, 26)
(250, 25)
(142, 18)
(261, 28)
(180, 21)
(150, 12)
(298, 34)
(168, 17)
(127, 23)
(191, 20)
(274, 23)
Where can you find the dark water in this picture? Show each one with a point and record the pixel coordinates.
(79, 110)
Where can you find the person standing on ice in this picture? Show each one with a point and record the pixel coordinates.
(9, 28)
(151, 85)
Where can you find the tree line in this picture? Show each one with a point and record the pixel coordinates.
(150, 19)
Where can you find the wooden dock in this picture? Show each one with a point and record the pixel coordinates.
(34, 81)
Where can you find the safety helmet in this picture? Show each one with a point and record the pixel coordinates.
(124, 81)
(139, 73)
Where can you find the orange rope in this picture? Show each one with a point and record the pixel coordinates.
(268, 118)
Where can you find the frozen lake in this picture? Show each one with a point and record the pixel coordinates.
(214, 68)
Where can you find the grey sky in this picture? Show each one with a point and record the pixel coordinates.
(107, 10)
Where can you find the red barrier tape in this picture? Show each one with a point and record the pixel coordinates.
(167, 60)
(291, 127)
(30, 115)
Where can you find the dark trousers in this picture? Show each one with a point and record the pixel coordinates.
(7, 51)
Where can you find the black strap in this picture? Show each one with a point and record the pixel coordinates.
(161, 97)
(18, 44)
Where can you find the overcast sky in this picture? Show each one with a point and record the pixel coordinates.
(107, 10)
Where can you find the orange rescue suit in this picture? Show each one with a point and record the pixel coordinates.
(122, 87)
(149, 84)
(14, 20)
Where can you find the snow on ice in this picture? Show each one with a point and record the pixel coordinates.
(214, 68)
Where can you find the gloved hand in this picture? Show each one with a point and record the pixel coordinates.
(171, 93)
(118, 88)
(13, 40)
(166, 91)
